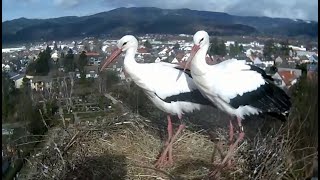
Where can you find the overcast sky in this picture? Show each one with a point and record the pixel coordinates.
(294, 9)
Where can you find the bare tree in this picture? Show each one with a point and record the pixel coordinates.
(102, 82)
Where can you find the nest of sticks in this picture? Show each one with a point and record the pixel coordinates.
(125, 146)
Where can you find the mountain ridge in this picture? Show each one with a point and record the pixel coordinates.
(133, 20)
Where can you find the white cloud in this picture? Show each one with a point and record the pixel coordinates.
(300, 9)
(67, 3)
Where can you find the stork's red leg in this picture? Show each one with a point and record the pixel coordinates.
(169, 147)
(231, 148)
(169, 139)
(163, 157)
(231, 132)
(168, 150)
(173, 139)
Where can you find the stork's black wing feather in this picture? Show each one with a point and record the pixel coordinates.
(187, 71)
(269, 98)
(194, 96)
(262, 72)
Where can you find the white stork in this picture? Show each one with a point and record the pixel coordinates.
(234, 87)
(161, 84)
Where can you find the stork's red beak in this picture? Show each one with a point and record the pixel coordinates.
(193, 52)
(112, 57)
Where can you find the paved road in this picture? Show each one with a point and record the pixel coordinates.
(14, 125)
(114, 101)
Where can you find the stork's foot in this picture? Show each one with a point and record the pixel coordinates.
(227, 162)
(232, 147)
(166, 155)
(165, 158)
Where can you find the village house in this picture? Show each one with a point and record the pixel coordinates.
(312, 71)
(286, 77)
(55, 57)
(91, 72)
(94, 61)
(16, 78)
(40, 83)
(313, 58)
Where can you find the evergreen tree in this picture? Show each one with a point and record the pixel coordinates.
(82, 62)
(9, 93)
(176, 46)
(269, 49)
(237, 48)
(222, 50)
(284, 49)
(41, 65)
(241, 48)
(147, 45)
(232, 50)
(218, 47)
(214, 45)
(68, 61)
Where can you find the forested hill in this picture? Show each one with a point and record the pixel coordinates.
(143, 20)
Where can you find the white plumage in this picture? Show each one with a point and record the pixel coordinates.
(232, 84)
(228, 79)
(166, 85)
(234, 87)
(159, 81)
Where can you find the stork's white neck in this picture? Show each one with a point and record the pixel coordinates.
(199, 65)
(130, 64)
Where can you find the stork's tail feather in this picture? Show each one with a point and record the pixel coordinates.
(282, 117)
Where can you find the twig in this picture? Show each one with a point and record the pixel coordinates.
(71, 142)
(120, 123)
(27, 136)
(44, 122)
(30, 142)
(60, 154)
(142, 175)
(155, 169)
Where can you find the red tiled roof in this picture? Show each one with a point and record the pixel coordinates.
(287, 76)
(92, 54)
(142, 50)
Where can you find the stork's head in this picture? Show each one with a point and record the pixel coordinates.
(125, 43)
(200, 40)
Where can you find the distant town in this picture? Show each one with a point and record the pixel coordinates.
(59, 82)
(153, 48)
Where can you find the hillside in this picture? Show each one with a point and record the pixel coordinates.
(143, 20)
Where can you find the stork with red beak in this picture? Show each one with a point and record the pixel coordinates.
(236, 88)
(169, 87)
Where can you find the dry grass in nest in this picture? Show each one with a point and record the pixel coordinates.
(126, 146)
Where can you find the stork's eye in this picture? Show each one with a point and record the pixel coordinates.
(201, 39)
(124, 43)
